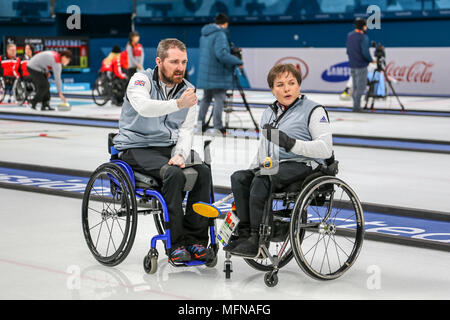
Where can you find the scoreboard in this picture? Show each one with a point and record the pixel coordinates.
(79, 46)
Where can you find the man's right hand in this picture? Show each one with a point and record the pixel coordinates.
(61, 96)
(188, 99)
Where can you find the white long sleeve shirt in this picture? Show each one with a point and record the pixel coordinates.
(139, 98)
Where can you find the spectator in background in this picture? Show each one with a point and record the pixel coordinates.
(27, 55)
(135, 53)
(359, 58)
(39, 67)
(215, 70)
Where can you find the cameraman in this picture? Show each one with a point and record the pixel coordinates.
(215, 70)
(359, 58)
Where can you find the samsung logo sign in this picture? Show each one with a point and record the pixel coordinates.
(337, 73)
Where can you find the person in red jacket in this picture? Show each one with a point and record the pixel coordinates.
(111, 67)
(28, 53)
(112, 63)
(9, 69)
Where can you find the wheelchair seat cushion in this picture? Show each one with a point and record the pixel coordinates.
(145, 181)
(190, 173)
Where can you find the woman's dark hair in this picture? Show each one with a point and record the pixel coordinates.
(31, 48)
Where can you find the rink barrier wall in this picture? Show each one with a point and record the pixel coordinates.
(375, 236)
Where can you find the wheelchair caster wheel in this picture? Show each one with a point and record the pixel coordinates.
(212, 263)
(151, 262)
(271, 279)
(228, 269)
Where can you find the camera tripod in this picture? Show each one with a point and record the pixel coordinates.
(228, 108)
(370, 94)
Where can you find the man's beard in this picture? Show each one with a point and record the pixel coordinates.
(171, 79)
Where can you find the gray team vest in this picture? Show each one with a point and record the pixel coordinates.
(294, 123)
(136, 131)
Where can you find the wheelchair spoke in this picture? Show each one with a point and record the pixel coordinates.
(337, 252)
(110, 237)
(325, 255)
(98, 236)
(338, 246)
(314, 246)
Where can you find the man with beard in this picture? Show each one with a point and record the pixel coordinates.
(156, 129)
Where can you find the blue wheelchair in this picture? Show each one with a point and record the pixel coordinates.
(114, 197)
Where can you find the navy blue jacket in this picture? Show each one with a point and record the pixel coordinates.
(358, 50)
(216, 63)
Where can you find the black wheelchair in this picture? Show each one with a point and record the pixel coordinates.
(319, 221)
(114, 197)
(23, 90)
(107, 87)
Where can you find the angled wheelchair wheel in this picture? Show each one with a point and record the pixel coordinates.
(101, 91)
(30, 90)
(109, 214)
(19, 91)
(327, 228)
(2, 89)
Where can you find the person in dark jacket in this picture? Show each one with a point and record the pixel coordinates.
(359, 58)
(215, 70)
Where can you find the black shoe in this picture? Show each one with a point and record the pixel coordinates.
(233, 244)
(204, 127)
(46, 106)
(248, 248)
(235, 240)
(33, 106)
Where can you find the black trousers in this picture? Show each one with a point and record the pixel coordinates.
(251, 191)
(187, 229)
(42, 86)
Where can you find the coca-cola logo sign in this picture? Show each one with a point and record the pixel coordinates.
(419, 72)
(298, 63)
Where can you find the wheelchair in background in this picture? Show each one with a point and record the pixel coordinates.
(107, 87)
(319, 221)
(114, 197)
(22, 90)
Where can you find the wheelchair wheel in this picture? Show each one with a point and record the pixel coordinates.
(101, 91)
(109, 214)
(30, 90)
(19, 91)
(2, 89)
(327, 228)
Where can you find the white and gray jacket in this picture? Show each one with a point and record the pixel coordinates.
(307, 122)
(151, 118)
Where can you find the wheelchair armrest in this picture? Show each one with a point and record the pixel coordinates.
(111, 150)
(331, 169)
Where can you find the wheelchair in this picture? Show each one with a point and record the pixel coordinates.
(114, 197)
(106, 88)
(319, 221)
(22, 90)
